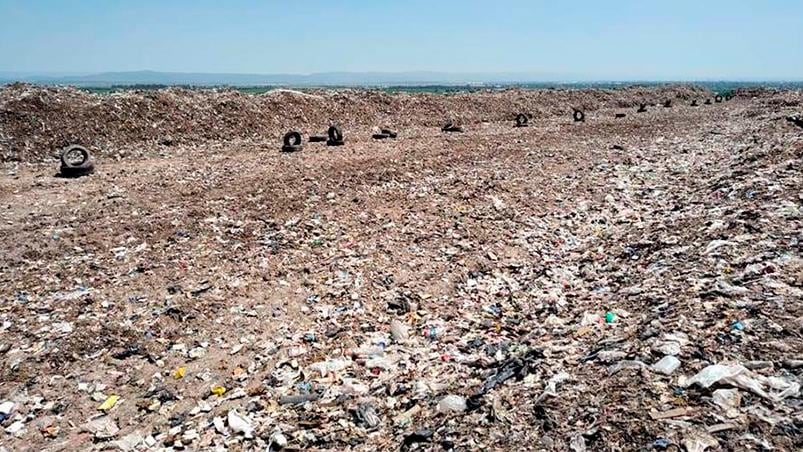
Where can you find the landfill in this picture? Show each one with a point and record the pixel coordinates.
(611, 284)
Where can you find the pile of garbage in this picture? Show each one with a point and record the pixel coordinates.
(630, 285)
(36, 122)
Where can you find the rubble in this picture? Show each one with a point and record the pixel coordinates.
(502, 289)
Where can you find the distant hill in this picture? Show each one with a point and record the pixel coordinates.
(317, 79)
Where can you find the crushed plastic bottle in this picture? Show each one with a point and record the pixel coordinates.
(452, 404)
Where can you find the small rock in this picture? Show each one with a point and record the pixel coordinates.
(667, 365)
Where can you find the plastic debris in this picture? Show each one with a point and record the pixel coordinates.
(240, 424)
(337, 300)
(218, 390)
(452, 404)
(729, 400)
(103, 427)
(109, 403)
(739, 376)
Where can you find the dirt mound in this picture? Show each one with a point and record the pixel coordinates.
(37, 121)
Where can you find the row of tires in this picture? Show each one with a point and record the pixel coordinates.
(76, 161)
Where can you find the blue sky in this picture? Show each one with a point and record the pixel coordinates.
(581, 39)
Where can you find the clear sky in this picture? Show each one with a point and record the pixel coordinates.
(617, 39)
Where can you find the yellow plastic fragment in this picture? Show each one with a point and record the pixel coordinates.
(179, 373)
(109, 403)
(218, 390)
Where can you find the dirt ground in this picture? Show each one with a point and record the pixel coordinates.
(343, 296)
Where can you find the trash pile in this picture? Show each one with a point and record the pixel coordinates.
(630, 284)
(36, 122)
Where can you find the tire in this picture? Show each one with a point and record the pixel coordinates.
(335, 142)
(317, 138)
(522, 120)
(642, 108)
(708, 101)
(450, 127)
(76, 168)
(694, 103)
(620, 115)
(668, 103)
(292, 138)
(579, 116)
(389, 133)
(380, 136)
(335, 133)
(718, 99)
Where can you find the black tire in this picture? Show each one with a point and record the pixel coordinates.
(65, 156)
(380, 136)
(335, 142)
(317, 138)
(668, 103)
(718, 99)
(522, 120)
(76, 168)
(335, 133)
(292, 138)
(642, 108)
(795, 120)
(694, 103)
(579, 116)
(708, 101)
(620, 115)
(389, 133)
(451, 128)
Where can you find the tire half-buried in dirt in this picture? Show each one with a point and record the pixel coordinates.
(522, 120)
(76, 162)
(335, 136)
(450, 127)
(292, 142)
(389, 133)
(578, 115)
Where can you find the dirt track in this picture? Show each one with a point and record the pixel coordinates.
(498, 241)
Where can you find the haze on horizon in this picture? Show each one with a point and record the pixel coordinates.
(580, 40)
